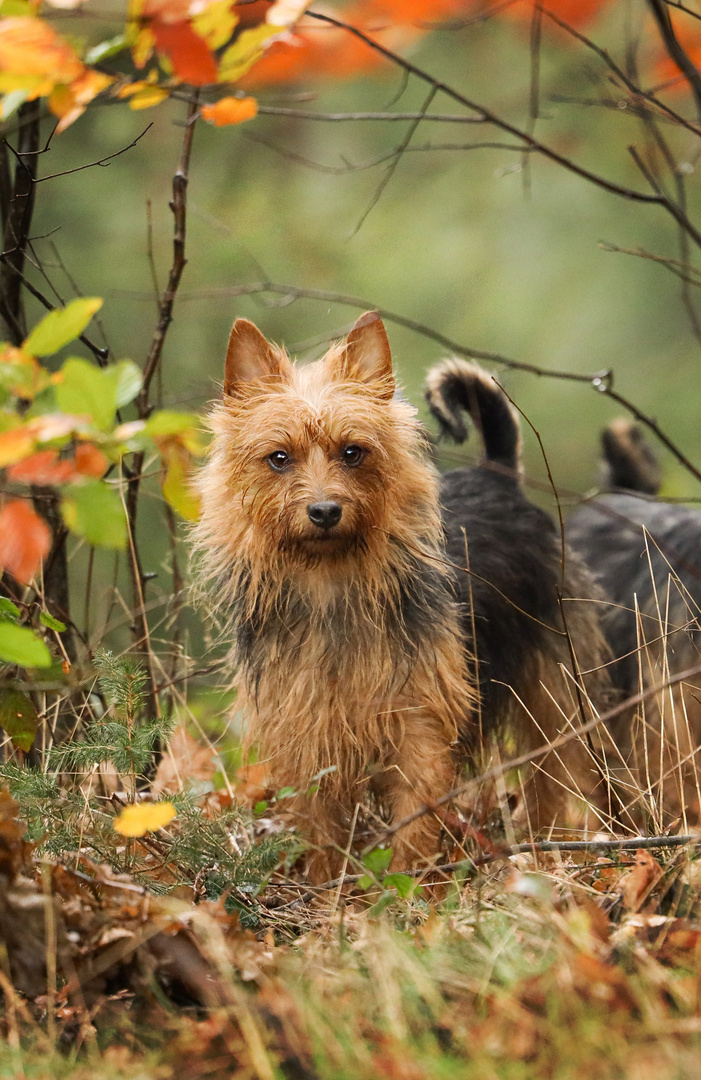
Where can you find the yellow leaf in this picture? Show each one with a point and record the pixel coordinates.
(32, 85)
(215, 23)
(244, 52)
(15, 445)
(144, 99)
(144, 817)
(177, 488)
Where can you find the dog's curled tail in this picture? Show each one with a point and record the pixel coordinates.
(628, 460)
(455, 387)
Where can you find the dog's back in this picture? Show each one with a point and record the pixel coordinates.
(646, 557)
(525, 603)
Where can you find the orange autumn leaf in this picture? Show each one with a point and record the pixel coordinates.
(89, 461)
(312, 51)
(15, 445)
(38, 61)
(32, 52)
(192, 61)
(230, 110)
(25, 540)
(69, 102)
(44, 468)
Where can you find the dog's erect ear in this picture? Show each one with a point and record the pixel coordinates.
(367, 356)
(248, 356)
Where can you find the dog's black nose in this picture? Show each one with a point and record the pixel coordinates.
(324, 514)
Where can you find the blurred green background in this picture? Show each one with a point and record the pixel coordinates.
(466, 241)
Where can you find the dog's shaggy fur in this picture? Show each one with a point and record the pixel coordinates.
(353, 618)
(528, 606)
(646, 555)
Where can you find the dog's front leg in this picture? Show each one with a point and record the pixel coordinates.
(424, 770)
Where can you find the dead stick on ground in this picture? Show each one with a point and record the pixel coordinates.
(632, 843)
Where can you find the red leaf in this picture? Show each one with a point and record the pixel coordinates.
(89, 461)
(190, 57)
(44, 468)
(24, 540)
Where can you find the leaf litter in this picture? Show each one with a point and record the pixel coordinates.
(546, 965)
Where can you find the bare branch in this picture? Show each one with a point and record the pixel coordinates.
(17, 223)
(491, 118)
(306, 114)
(674, 48)
(396, 157)
(632, 87)
(177, 205)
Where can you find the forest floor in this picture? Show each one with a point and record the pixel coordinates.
(196, 951)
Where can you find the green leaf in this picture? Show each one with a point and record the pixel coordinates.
(8, 611)
(164, 422)
(61, 326)
(87, 389)
(377, 861)
(20, 645)
(402, 883)
(128, 379)
(105, 49)
(260, 807)
(95, 511)
(53, 624)
(18, 718)
(386, 898)
(8, 8)
(286, 793)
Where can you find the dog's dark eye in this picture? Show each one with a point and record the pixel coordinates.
(352, 455)
(279, 460)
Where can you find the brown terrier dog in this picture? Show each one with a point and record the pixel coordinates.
(353, 617)
(322, 528)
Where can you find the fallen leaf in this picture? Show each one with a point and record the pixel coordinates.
(639, 882)
(184, 760)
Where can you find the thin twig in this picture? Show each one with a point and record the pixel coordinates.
(489, 116)
(675, 50)
(602, 381)
(144, 408)
(103, 161)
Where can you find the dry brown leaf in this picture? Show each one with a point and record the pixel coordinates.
(185, 760)
(637, 885)
(252, 782)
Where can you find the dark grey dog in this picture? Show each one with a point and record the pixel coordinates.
(646, 556)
